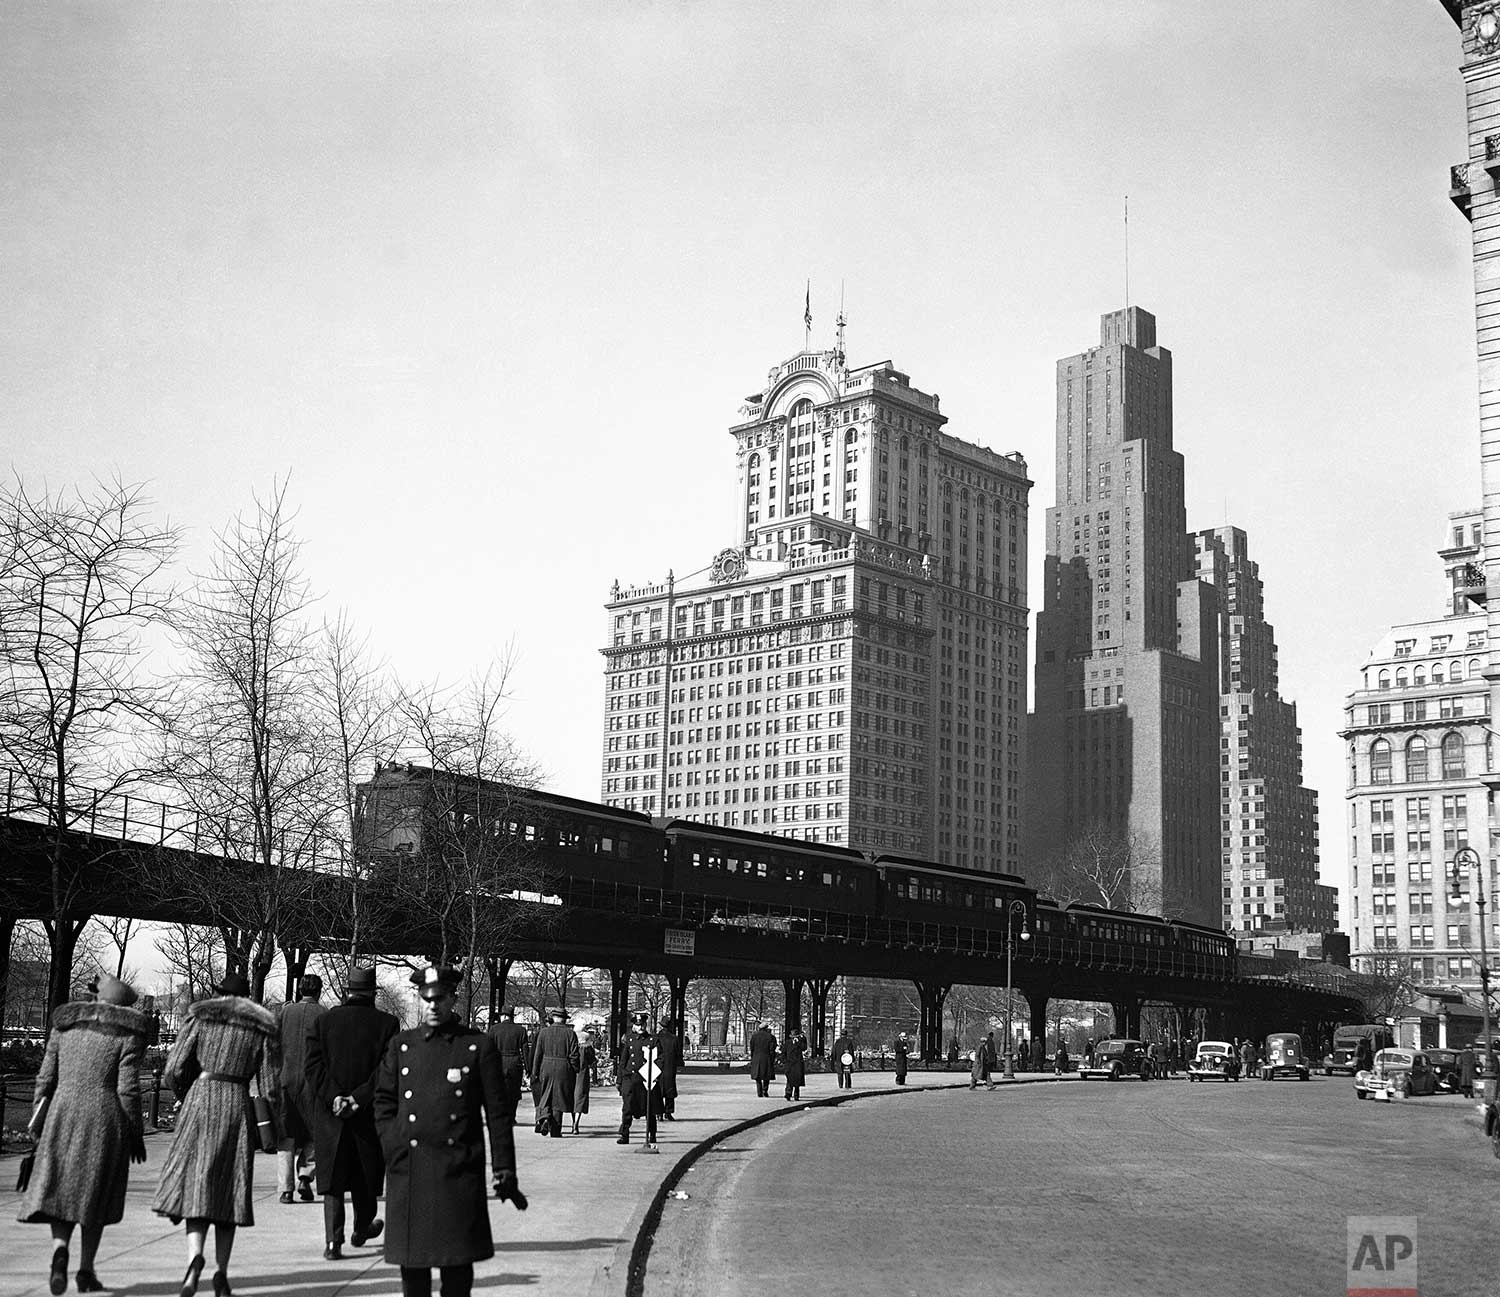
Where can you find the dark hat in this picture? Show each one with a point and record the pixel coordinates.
(434, 981)
(233, 984)
(558, 1015)
(361, 981)
(508, 1011)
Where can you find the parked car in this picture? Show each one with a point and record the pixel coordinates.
(1115, 1059)
(1406, 1072)
(1284, 1057)
(1215, 1060)
(1445, 1064)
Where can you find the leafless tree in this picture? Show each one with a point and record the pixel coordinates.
(358, 727)
(193, 957)
(83, 585)
(1388, 986)
(244, 750)
(118, 931)
(1103, 866)
(477, 882)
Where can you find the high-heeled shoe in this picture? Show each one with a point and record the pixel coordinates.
(88, 1281)
(190, 1279)
(221, 1284)
(57, 1276)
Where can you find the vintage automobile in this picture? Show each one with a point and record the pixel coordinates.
(1284, 1057)
(1215, 1060)
(1404, 1072)
(1445, 1064)
(1114, 1059)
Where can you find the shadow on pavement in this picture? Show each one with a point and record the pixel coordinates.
(557, 1245)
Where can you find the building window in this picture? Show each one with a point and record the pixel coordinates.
(1380, 762)
(1453, 756)
(1416, 760)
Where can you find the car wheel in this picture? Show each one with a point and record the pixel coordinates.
(1360, 1094)
(1114, 1072)
(1406, 1089)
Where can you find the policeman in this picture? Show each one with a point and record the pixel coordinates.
(439, 1087)
(631, 1084)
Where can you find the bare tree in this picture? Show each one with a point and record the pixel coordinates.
(358, 727)
(1388, 986)
(118, 931)
(193, 957)
(83, 584)
(477, 881)
(1104, 866)
(244, 750)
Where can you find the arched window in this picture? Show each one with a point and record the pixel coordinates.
(1418, 676)
(1474, 667)
(1437, 673)
(1456, 669)
(1385, 679)
(1453, 756)
(1416, 760)
(1400, 677)
(1380, 762)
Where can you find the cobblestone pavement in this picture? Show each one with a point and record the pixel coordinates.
(1084, 1190)
(587, 1194)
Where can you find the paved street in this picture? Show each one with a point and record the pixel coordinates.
(587, 1198)
(1084, 1189)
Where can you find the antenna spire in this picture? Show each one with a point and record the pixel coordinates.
(1127, 250)
(839, 345)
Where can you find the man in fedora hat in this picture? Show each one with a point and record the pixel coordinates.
(438, 1091)
(510, 1039)
(344, 1050)
(554, 1069)
(763, 1059)
(294, 1156)
(669, 1058)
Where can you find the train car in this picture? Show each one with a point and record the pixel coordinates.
(1203, 951)
(1118, 938)
(780, 872)
(411, 810)
(923, 892)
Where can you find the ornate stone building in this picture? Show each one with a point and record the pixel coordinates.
(852, 670)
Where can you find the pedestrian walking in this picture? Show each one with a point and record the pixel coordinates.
(1466, 1071)
(87, 1125)
(1088, 1052)
(1061, 1063)
(670, 1058)
(510, 1039)
(295, 1152)
(1153, 1059)
(554, 1068)
(902, 1050)
(794, 1056)
(588, 1075)
(843, 1059)
(763, 1060)
(228, 1044)
(344, 1053)
(437, 1093)
(1247, 1059)
(634, 1099)
(984, 1062)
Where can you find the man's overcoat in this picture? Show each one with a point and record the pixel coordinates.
(438, 1088)
(554, 1067)
(510, 1040)
(344, 1052)
(763, 1055)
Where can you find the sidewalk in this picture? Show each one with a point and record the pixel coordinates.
(588, 1198)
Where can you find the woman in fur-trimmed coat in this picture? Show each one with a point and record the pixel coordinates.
(88, 1095)
(227, 1045)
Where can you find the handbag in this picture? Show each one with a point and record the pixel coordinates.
(23, 1173)
(184, 1076)
(265, 1123)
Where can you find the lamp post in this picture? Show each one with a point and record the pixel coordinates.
(1468, 856)
(1016, 907)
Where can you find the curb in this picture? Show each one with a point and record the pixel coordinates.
(640, 1231)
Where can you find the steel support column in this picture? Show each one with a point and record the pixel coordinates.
(1036, 1001)
(677, 985)
(1127, 1015)
(296, 965)
(931, 996)
(820, 986)
(619, 1006)
(792, 988)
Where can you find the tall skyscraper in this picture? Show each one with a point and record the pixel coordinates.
(851, 670)
(1419, 748)
(1126, 708)
(1268, 820)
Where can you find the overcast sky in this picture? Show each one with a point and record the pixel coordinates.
(488, 281)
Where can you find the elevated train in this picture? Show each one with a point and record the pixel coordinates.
(605, 857)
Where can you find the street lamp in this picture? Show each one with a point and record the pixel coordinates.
(1468, 856)
(1016, 907)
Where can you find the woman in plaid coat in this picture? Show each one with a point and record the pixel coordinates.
(228, 1043)
(88, 1094)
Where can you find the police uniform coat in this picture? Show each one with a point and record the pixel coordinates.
(669, 1058)
(438, 1088)
(763, 1055)
(554, 1068)
(298, 1100)
(344, 1052)
(629, 1081)
(90, 1074)
(510, 1040)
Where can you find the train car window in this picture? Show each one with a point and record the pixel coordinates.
(570, 840)
(828, 879)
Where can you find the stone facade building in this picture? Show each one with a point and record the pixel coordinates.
(1125, 728)
(1420, 751)
(851, 671)
(1268, 819)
